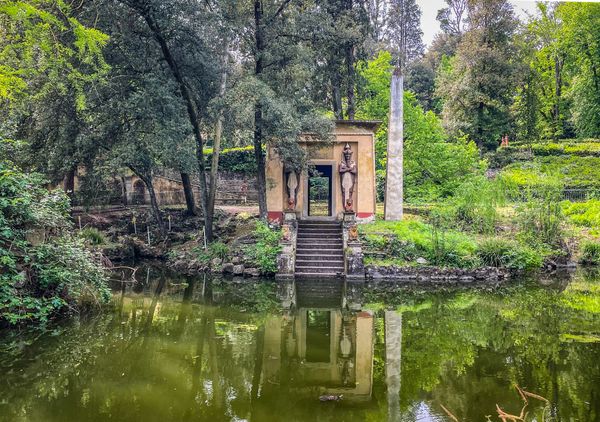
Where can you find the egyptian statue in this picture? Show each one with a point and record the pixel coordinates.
(347, 170)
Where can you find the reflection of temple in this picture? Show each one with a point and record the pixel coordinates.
(321, 349)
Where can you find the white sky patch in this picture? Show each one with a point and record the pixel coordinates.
(431, 26)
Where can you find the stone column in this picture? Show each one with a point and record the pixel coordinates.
(394, 185)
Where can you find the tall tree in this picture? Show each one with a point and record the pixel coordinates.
(580, 37)
(175, 27)
(404, 34)
(281, 83)
(477, 88)
(452, 18)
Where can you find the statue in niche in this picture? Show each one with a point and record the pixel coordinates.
(347, 170)
(292, 184)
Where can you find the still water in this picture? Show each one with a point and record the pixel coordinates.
(177, 349)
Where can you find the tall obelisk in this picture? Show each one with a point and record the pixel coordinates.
(394, 183)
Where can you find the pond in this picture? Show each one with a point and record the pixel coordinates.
(180, 349)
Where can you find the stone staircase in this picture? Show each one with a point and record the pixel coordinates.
(319, 249)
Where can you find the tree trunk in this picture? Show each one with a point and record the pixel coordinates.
(394, 181)
(154, 204)
(261, 182)
(351, 108)
(69, 182)
(557, 94)
(147, 179)
(123, 191)
(214, 167)
(193, 115)
(188, 191)
(336, 99)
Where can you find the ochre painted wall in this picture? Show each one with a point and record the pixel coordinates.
(360, 137)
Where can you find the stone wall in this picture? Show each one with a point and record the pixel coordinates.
(436, 276)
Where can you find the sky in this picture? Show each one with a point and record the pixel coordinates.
(431, 26)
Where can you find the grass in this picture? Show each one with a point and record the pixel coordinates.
(403, 242)
(583, 214)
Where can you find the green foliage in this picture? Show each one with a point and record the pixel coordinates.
(583, 214)
(499, 252)
(216, 249)
(571, 171)
(266, 248)
(235, 160)
(475, 203)
(590, 253)
(580, 36)
(44, 49)
(93, 236)
(477, 87)
(540, 218)
(44, 270)
(404, 242)
(582, 148)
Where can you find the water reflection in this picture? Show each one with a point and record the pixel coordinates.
(199, 349)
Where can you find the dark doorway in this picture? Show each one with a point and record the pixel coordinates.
(319, 192)
(317, 336)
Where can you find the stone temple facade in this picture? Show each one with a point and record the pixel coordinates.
(340, 178)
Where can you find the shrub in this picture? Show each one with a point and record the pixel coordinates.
(215, 250)
(42, 275)
(265, 250)
(540, 218)
(93, 236)
(235, 160)
(498, 252)
(474, 205)
(590, 253)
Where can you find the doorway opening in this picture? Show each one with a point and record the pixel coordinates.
(319, 192)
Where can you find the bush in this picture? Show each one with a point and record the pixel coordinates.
(590, 253)
(540, 218)
(474, 205)
(215, 250)
(498, 252)
(265, 250)
(92, 236)
(235, 160)
(43, 269)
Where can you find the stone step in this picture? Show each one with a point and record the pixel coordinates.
(320, 257)
(336, 226)
(319, 252)
(316, 269)
(317, 276)
(302, 235)
(312, 263)
(319, 231)
(316, 243)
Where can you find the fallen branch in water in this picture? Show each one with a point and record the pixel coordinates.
(454, 418)
(505, 417)
(132, 276)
